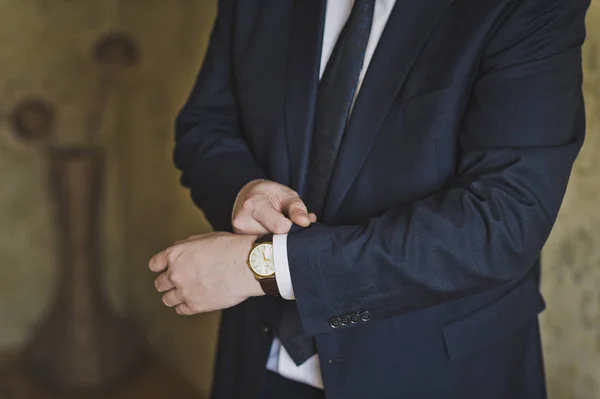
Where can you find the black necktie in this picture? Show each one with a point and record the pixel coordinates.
(334, 102)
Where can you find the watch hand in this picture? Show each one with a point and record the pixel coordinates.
(263, 254)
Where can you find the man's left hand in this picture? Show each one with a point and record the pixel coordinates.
(205, 273)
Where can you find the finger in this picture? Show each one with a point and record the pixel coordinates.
(296, 211)
(163, 283)
(272, 220)
(172, 298)
(158, 263)
(247, 225)
(184, 310)
(312, 217)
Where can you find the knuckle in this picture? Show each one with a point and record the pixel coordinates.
(181, 296)
(260, 185)
(282, 224)
(238, 223)
(256, 183)
(287, 191)
(297, 206)
(175, 278)
(257, 215)
(170, 256)
(248, 205)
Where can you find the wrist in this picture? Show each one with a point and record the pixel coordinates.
(251, 284)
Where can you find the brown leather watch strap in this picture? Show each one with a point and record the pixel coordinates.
(269, 286)
(264, 238)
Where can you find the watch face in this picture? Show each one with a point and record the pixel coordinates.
(261, 260)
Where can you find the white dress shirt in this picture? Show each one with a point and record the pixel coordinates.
(337, 13)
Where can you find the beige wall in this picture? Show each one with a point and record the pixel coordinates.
(158, 211)
(45, 51)
(571, 259)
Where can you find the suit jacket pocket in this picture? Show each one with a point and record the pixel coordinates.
(494, 322)
(436, 102)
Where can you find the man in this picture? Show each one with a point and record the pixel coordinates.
(433, 141)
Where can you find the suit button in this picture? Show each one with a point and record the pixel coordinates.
(354, 318)
(345, 319)
(335, 322)
(365, 316)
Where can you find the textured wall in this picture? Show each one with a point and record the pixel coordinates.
(172, 35)
(45, 51)
(571, 259)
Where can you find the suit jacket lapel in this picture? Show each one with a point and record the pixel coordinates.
(406, 32)
(302, 84)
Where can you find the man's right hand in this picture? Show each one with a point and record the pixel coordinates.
(263, 207)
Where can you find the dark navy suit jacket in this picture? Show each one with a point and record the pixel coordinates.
(449, 179)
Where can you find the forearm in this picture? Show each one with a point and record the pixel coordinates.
(466, 239)
(520, 135)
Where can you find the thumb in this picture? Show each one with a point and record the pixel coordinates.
(296, 210)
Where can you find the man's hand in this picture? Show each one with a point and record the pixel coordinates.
(264, 207)
(205, 273)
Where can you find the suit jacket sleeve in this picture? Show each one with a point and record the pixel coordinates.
(521, 134)
(210, 150)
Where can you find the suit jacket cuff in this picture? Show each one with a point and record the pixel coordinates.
(304, 256)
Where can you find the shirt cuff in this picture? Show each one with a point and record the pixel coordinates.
(282, 267)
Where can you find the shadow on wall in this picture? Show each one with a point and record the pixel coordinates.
(81, 345)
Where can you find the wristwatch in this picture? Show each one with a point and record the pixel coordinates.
(260, 262)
